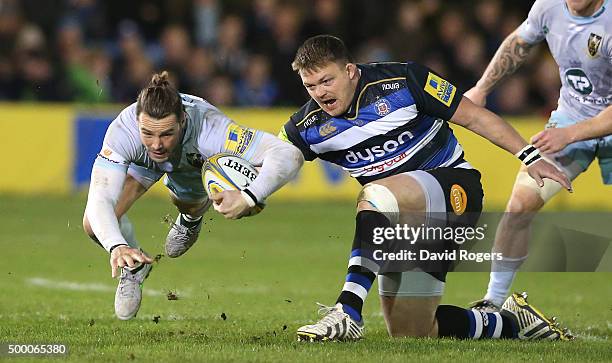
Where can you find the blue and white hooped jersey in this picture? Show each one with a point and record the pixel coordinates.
(397, 123)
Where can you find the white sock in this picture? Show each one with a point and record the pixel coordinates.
(502, 274)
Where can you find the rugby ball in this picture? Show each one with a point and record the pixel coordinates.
(228, 172)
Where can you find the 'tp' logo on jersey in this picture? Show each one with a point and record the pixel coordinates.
(579, 81)
(440, 89)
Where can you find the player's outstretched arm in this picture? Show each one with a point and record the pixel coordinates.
(511, 54)
(493, 128)
(555, 139)
(104, 190)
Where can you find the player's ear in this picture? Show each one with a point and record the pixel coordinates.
(351, 70)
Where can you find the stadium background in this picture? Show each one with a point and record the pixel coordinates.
(67, 67)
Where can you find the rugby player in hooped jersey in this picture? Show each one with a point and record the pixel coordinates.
(385, 123)
(166, 132)
(578, 34)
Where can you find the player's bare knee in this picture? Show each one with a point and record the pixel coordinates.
(524, 201)
(521, 208)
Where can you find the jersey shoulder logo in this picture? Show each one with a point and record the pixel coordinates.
(579, 81)
(440, 89)
(594, 43)
(238, 139)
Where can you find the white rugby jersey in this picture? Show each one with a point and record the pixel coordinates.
(582, 48)
(207, 132)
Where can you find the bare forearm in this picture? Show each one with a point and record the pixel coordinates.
(598, 126)
(509, 57)
(488, 125)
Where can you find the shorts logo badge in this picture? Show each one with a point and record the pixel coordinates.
(382, 107)
(458, 199)
(106, 152)
(327, 129)
(594, 43)
(441, 89)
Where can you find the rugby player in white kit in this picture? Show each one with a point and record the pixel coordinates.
(579, 35)
(166, 132)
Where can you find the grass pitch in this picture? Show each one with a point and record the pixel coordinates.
(243, 290)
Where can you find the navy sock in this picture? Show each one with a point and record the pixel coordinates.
(362, 268)
(456, 322)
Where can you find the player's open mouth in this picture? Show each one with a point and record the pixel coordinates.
(159, 154)
(330, 103)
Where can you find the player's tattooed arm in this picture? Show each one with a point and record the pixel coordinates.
(509, 57)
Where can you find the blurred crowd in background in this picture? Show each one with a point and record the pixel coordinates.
(238, 53)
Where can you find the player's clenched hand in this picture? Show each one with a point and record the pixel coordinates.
(552, 140)
(231, 204)
(545, 169)
(127, 256)
(476, 96)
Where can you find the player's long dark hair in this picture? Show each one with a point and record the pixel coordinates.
(159, 99)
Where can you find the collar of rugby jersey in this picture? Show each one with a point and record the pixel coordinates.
(583, 20)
